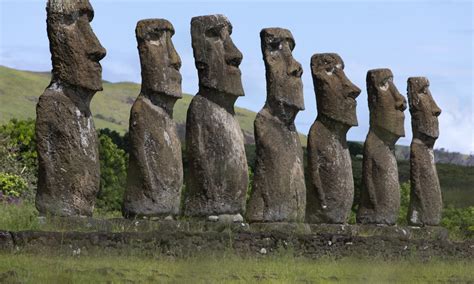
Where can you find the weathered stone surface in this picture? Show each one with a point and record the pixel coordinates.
(425, 197)
(279, 191)
(380, 193)
(155, 171)
(216, 182)
(179, 240)
(331, 190)
(68, 177)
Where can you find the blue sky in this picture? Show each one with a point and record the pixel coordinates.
(424, 38)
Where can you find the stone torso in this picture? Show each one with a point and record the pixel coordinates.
(278, 185)
(155, 172)
(331, 191)
(425, 201)
(68, 156)
(218, 175)
(380, 196)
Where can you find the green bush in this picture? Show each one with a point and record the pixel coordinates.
(459, 221)
(113, 174)
(12, 185)
(404, 203)
(21, 140)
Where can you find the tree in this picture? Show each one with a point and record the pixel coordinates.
(113, 173)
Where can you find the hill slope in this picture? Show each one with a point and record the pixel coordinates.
(20, 90)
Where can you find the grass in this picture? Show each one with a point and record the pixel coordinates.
(20, 90)
(25, 268)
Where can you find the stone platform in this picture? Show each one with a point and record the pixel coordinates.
(187, 238)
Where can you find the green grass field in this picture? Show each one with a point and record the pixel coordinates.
(225, 268)
(20, 90)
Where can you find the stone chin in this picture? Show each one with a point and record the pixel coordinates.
(170, 87)
(90, 82)
(431, 131)
(348, 118)
(289, 94)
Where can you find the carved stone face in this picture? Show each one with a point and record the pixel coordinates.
(424, 110)
(386, 104)
(216, 57)
(75, 49)
(335, 93)
(160, 63)
(283, 72)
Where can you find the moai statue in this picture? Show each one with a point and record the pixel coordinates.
(68, 154)
(380, 193)
(425, 197)
(216, 182)
(331, 190)
(279, 191)
(155, 170)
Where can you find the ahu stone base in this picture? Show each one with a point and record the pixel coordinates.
(182, 238)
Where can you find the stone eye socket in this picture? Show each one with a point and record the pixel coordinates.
(70, 18)
(275, 44)
(214, 32)
(386, 83)
(330, 70)
(155, 35)
(74, 17)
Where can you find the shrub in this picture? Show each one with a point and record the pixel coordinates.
(404, 203)
(22, 141)
(459, 221)
(113, 173)
(18, 154)
(11, 186)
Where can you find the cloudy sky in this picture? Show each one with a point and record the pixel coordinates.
(421, 38)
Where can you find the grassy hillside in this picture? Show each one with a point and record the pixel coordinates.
(19, 92)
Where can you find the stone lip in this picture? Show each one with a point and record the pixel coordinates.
(184, 238)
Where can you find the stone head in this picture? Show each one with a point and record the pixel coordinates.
(335, 93)
(75, 50)
(386, 104)
(160, 63)
(216, 57)
(423, 109)
(283, 72)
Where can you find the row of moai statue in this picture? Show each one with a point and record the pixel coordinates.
(217, 179)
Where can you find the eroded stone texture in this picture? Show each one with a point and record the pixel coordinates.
(68, 177)
(216, 182)
(380, 193)
(155, 171)
(425, 197)
(279, 191)
(331, 190)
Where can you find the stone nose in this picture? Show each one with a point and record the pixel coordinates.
(233, 56)
(436, 110)
(96, 51)
(400, 102)
(97, 54)
(175, 60)
(352, 90)
(295, 69)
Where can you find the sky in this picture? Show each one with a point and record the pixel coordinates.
(413, 38)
